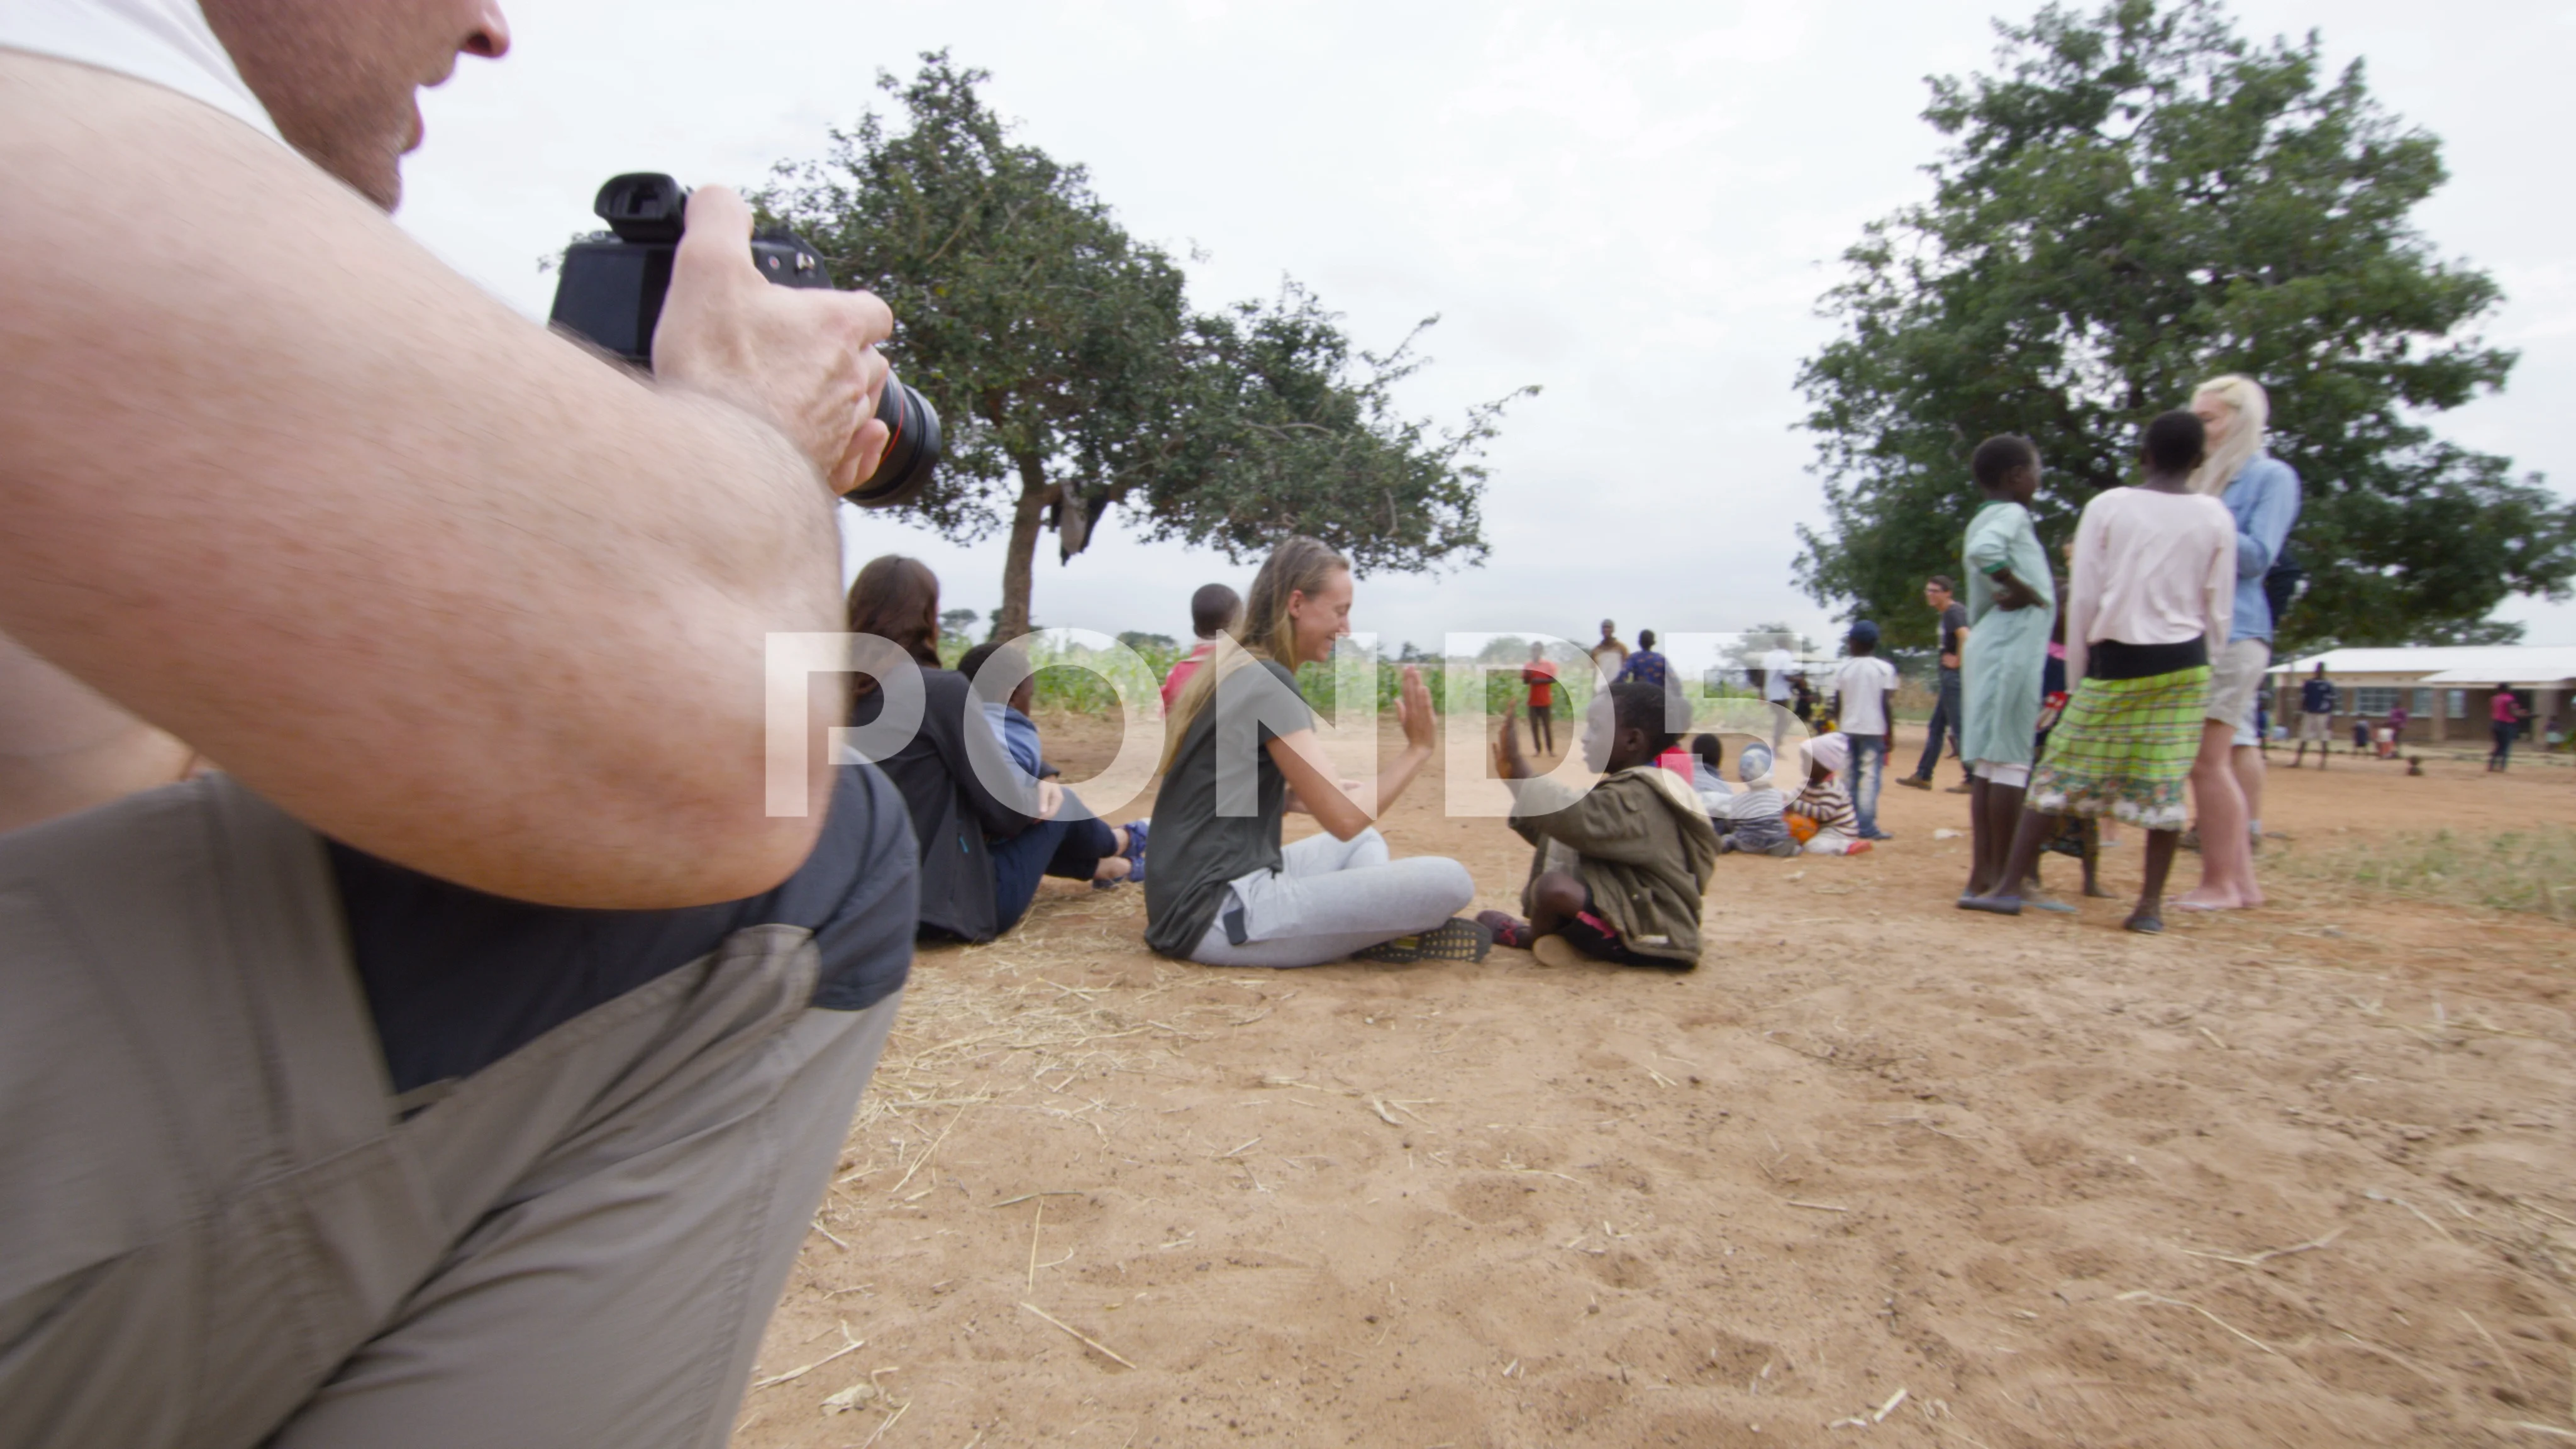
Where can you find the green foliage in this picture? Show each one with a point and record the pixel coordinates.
(2139, 201)
(2513, 871)
(1072, 375)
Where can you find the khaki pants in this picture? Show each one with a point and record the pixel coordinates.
(218, 1229)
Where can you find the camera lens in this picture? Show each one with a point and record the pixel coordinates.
(911, 455)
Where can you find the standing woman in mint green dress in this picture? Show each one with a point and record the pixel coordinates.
(2011, 606)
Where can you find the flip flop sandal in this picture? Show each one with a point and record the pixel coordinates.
(2050, 904)
(1455, 939)
(1509, 930)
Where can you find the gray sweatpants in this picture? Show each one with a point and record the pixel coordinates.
(1332, 897)
(215, 1231)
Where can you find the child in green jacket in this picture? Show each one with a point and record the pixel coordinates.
(1619, 869)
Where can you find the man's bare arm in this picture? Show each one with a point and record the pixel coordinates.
(436, 581)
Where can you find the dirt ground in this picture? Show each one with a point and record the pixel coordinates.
(1878, 1172)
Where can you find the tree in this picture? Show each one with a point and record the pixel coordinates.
(2139, 201)
(1072, 375)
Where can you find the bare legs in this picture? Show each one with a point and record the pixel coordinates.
(2226, 857)
(2032, 836)
(1555, 898)
(2249, 780)
(1993, 811)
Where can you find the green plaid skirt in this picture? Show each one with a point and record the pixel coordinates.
(2123, 747)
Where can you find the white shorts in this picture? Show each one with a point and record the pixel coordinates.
(2011, 777)
(2235, 672)
(2318, 727)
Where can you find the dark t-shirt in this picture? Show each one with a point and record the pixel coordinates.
(1954, 622)
(2316, 697)
(1197, 848)
(457, 979)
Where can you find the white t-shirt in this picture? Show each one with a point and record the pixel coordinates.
(1777, 666)
(2150, 568)
(1863, 682)
(166, 42)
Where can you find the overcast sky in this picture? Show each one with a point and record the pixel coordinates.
(1634, 206)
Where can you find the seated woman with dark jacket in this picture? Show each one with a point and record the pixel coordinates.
(987, 829)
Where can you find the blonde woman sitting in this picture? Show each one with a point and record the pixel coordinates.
(1241, 753)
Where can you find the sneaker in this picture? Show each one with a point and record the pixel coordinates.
(1137, 830)
(1455, 939)
(1915, 782)
(1509, 930)
(1959, 789)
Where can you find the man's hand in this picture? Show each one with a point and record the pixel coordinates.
(1949, 661)
(802, 360)
(1413, 711)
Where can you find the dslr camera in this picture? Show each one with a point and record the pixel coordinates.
(611, 289)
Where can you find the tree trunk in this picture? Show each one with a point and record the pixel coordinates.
(1012, 619)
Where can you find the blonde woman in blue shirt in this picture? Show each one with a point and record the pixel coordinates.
(2262, 494)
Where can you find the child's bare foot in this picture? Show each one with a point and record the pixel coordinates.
(1992, 905)
(2096, 891)
(2145, 921)
(2204, 898)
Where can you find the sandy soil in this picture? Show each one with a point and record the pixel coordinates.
(1877, 1173)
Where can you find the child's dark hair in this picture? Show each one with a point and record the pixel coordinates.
(972, 662)
(1214, 607)
(1710, 749)
(1637, 705)
(1645, 638)
(1997, 457)
(2175, 441)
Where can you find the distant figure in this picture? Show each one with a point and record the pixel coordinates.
(1949, 639)
(2316, 717)
(1540, 675)
(2394, 733)
(2154, 585)
(1214, 609)
(1802, 699)
(2361, 734)
(1645, 666)
(2505, 715)
(2263, 721)
(1609, 656)
(1864, 705)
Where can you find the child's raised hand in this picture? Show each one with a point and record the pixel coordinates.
(1509, 762)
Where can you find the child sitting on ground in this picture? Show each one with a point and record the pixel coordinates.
(1019, 736)
(1708, 774)
(1752, 823)
(1831, 826)
(1617, 871)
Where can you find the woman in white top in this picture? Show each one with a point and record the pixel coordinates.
(2154, 584)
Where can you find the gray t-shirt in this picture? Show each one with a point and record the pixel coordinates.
(1954, 622)
(1209, 831)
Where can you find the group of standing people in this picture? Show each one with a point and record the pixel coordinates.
(2167, 636)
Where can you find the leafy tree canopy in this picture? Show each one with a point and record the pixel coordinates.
(1073, 375)
(2141, 200)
